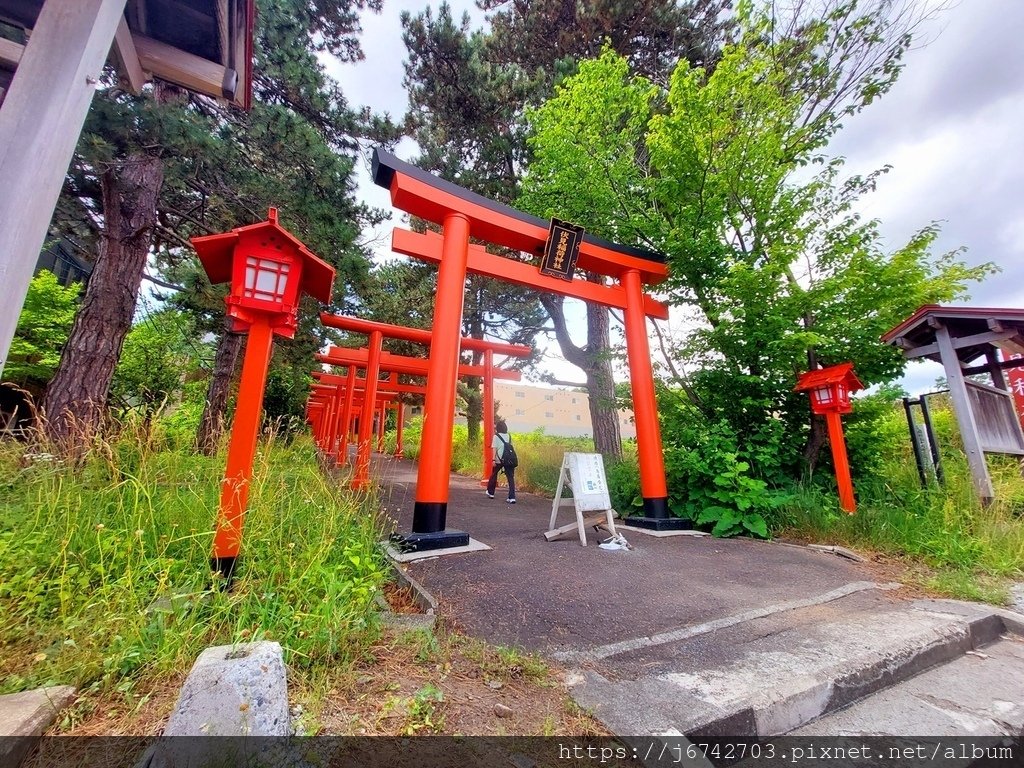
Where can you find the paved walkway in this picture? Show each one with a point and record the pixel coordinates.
(561, 596)
(702, 636)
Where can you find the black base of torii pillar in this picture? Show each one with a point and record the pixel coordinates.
(428, 530)
(656, 517)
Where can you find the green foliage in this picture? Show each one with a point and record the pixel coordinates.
(284, 401)
(874, 430)
(104, 567)
(709, 481)
(766, 253)
(159, 353)
(624, 484)
(43, 328)
(179, 421)
(971, 550)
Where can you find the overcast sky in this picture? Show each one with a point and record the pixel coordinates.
(950, 128)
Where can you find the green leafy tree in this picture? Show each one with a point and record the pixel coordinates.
(160, 353)
(43, 328)
(726, 172)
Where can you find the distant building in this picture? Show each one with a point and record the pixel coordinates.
(561, 412)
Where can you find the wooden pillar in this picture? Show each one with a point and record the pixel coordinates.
(488, 434)
(40, 122)
(995, 369)
(431, 507)
(964, 414)
(361, 479)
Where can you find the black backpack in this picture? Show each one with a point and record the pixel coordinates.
(509, 459)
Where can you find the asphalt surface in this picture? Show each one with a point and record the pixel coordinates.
(705, 637)
(558, 596)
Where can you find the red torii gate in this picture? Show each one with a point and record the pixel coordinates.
(375, 361)
(329, 395)
(462, 214)
(421, 336)
(341, 387)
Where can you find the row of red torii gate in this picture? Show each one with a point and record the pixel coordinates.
(268, 268)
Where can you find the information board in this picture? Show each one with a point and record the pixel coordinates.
(587, 480)
(583, 474)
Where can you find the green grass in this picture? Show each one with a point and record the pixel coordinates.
(104, 566)
(972, 551)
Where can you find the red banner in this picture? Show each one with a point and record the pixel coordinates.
(1015, 380)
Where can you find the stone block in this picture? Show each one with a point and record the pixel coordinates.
(24, 716)
(234, 690)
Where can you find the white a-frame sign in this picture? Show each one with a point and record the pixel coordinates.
(583, 473)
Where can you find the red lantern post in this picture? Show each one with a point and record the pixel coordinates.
(268, 267)
(830, 390)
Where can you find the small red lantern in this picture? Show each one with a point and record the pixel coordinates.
(267, 266)
(830, 390)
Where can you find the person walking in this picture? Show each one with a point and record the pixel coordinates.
(505, 459)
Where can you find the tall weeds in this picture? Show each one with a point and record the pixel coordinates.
(104, 562)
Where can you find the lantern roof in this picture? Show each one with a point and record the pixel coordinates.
(215, 253)
(835, 374)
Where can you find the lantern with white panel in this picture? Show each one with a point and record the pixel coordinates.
(268, 268)
(830, 390)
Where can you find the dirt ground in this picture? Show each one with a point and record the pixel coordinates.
(407, 683)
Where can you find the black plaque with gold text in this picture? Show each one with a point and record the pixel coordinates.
(562, 249)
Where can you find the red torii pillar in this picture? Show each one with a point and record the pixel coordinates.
(421, 336)
(352, 385)
(400, 419)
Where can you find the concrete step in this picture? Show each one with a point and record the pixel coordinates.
(770, 675)
(980, 693)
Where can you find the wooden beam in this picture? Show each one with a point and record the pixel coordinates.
(223, 32)
(1003, 364)
(40, 122)
(10, 53)
(181, 68)
(130, 67)
(428, 248)
(988, 337)
(964, 415)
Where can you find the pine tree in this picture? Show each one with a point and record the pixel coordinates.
(152, 171)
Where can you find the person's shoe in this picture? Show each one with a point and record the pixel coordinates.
(510, 501)
(489, 494)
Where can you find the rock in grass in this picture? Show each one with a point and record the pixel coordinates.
(502, 711)
(234, 690)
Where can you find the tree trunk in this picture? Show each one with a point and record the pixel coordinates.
(76, 400)
(815, 442)
(474, 409)
(214, 412)
(595, 360)
(604, 415)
